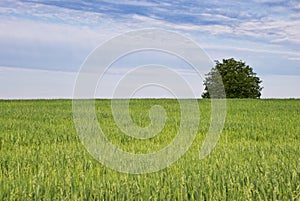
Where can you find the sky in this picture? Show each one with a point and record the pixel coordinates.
(43, 43)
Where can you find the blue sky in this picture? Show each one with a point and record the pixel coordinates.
(43, 43)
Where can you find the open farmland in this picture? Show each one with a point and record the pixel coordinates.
(256, 158)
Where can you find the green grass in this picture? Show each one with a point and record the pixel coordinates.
(256, 158)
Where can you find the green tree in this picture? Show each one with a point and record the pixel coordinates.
(238, 79)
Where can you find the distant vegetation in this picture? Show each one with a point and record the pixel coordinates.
(256, 158)
(239, 80)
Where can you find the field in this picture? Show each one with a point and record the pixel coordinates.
(256, 158)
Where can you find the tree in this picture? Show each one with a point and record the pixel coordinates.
(238, 79)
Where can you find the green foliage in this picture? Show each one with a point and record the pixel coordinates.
(256, 158)
(239, 80)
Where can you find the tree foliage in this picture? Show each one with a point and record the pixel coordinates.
(238, 79)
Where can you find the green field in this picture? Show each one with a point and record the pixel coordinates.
(256, 158)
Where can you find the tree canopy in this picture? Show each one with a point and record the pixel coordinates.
(238, 79)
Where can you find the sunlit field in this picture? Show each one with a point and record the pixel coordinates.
(256, 158)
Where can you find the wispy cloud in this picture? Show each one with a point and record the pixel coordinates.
(257, 50)
(59, 34)
(243, 18)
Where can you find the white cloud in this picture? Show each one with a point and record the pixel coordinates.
(269, 1)
(271, 30)
(24, 25)
(213, 29)
(133, 3)
(34, 31)
(275, 31)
